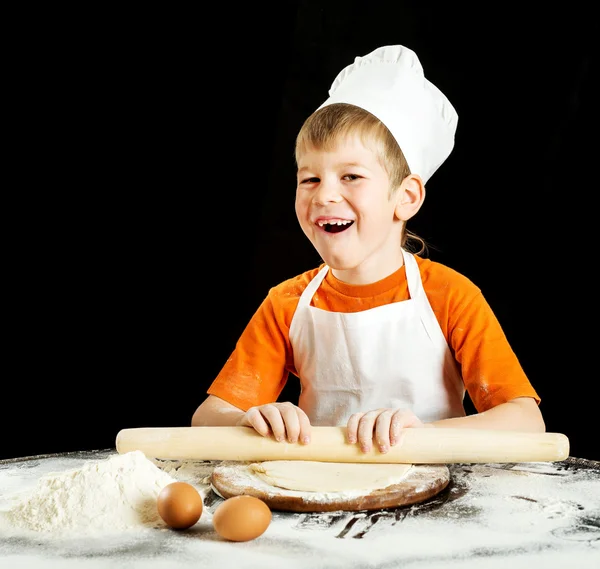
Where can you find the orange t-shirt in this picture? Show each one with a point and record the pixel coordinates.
(262, 360)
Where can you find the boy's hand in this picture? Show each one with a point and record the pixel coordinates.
(382, 425)
(282, 420)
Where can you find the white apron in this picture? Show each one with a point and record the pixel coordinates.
(392, 356)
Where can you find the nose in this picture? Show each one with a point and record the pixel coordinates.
(327, 192)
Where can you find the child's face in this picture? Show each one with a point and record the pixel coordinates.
(344, 208)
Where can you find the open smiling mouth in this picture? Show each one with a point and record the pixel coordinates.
(336, 226)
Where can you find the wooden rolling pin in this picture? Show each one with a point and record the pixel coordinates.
(328, 444)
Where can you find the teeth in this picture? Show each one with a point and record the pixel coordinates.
(339, 222)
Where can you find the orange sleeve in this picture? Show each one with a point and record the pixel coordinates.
(490, 368)
(259, 366)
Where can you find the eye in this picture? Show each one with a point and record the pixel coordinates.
(309, 181)
(351, 177)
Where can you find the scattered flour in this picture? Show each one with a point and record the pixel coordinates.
(115, 493)
(493, 516)
(195, 472)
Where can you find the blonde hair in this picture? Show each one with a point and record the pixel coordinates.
(327, 125)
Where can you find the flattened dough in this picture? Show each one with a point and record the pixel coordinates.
(313, 476)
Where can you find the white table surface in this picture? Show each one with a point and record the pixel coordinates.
(504, 516)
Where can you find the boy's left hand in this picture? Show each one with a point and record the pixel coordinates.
(382, 425)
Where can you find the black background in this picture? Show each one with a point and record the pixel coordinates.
(153, 186)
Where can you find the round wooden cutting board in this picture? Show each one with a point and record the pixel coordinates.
(230, 479)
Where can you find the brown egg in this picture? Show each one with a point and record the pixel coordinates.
(241, 518)
(179, 505)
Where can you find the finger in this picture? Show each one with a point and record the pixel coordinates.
(382, 430)
(273, 416)
(253, 418)
(291, 421)
(365, 430)
(305, 427)
(352, 427)
(396, 427)
(401, 419)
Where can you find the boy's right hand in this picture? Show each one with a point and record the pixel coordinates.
(282, 420)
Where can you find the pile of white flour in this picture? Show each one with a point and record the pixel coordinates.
(113, 494)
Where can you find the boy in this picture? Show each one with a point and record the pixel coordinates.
(381, 338)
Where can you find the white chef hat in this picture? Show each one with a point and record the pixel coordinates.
(389, 83)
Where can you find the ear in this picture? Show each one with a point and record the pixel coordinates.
(409, 197)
